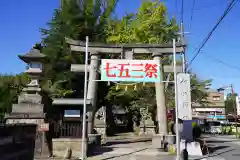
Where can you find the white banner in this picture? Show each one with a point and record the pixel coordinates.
(130, 70)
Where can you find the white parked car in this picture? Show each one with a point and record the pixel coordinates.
(215, 127)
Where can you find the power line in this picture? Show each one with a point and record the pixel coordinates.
(181, 22)
(192, 12)
(199, 48)
(222, 62)
(182, 9)
(181, 38)
(224, 77)
(176, 6)
(195, 8)
(208, 6)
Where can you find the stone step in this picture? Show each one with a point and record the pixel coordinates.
(29, 98)
(27, 108)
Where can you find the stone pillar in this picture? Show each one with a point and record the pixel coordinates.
(160, 98)
(92, 89)
(128, 54)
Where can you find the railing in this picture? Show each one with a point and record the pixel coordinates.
(67, 130)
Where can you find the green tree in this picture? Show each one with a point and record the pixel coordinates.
(10, 87)
(230, 103)
(199, 89)
(149, 25)
(75, 19)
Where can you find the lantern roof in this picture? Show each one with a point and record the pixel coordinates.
(32, 55)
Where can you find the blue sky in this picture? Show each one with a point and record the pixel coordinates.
(21, 20)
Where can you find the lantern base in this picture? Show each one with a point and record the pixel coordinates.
(158, 141)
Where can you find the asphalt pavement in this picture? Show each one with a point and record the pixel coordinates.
(229, 147)
(221, 148)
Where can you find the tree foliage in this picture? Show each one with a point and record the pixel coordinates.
(75, 19)
(10, 87)
(230, 103)
(199, 89)
(149, 25)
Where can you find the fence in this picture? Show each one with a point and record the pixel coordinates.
(67, 130)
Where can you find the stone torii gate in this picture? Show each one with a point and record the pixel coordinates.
(127, 51)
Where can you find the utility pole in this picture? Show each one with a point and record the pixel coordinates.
(182, 39)
(176, 104)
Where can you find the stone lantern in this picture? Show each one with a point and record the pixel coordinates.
(35, 61)
(30, 108)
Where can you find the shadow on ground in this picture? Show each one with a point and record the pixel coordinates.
(216, 141)
(212, 146)
(236, 154)
(214, 149)
(110, 143)
(116, 156)
(100, 151)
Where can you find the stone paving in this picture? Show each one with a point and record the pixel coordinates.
(123, 150)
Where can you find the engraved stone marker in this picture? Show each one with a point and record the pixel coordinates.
(184, 96)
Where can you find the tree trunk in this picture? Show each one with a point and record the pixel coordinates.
(110, 121)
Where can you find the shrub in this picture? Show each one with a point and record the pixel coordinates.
(196, 131)
(137, 131)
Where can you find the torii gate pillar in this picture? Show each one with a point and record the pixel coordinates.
(160, 99)
(92, 89)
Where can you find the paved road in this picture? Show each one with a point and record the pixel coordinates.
(225, 148)
(232, 147)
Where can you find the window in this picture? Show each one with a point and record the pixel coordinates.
(35, 65)
(216, 98)
(214, 123)
(72, 113)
